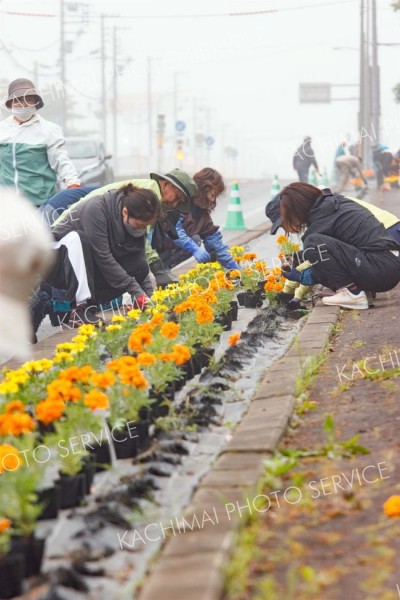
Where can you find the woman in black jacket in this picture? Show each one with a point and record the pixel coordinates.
(349, 249)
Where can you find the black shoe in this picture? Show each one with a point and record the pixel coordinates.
(84, 315)
(283, 298)
(163, 276)
(40, 306)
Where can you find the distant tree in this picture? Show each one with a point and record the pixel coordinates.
(396, 5)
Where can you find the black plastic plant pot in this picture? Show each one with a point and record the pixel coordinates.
(50, 498)
(252, 300)
(32, 550)
(12, 569)
(88, 471)
(101, 456)
(234, 310)
(240, 298)
(203, 356)
(225, 320)
(190, 369)
(143, 441)
(72, 489)
(125, 442)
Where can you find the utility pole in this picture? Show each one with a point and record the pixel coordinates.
(149, 109)
(115, 100)
(62, 67)
(103, 80)
(376, 109)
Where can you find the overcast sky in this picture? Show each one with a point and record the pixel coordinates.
(239, 73)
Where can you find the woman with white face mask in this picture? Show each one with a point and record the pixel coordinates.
(32, 150)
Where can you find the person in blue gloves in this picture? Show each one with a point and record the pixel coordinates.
(198, 236)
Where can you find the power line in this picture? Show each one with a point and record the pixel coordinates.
(191, 16)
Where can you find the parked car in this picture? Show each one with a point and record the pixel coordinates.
(90, 160)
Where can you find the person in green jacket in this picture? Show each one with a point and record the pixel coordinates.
(174, 190)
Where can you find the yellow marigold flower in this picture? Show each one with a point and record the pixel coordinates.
(65, 346)
(89, 330)
(4, 524)
(296, 247)
(170, 330)
(392, 506)
(233, 339)
(234, 274)
(118, 319)
(113, 328)
(8, 387)
(63, 356)
(96, 400)
(281, 239)
(146, 359)
(9, 458)
(134, 313)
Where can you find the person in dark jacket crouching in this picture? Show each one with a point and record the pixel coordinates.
(198, 236)
(349, 249)
(101, 251)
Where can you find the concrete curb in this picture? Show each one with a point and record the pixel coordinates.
(191, 565)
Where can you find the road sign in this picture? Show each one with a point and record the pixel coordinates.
(180, 126)
(209, 140)
(315, 93)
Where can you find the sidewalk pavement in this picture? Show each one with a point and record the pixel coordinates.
(357, 558)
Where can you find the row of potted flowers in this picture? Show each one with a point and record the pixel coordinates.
(106, 385)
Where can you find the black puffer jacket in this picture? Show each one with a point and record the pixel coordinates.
(100, 218)
(349, 222)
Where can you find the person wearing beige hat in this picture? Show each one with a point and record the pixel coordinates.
(25, 254)
(32, 149)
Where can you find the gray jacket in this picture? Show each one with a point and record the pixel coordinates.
(100, 218)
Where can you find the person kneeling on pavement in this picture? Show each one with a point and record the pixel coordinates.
(101, 251)
(197, 226)
(350, 251)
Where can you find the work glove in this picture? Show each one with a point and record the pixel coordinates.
(304, 277)
(141, 301)
(201, 255)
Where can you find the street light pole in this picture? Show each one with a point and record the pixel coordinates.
(103, 80)
(375, 75)
(62, 67)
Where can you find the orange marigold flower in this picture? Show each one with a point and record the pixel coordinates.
(14, 406)
(234, 273)
(281, 255)
(249, 256)
(139, 338)
(63, 390)
(118, 364)
(16, 423)
(48, 411)
(278, 287)
(103, 380)
(233, 339)
(392, 506)
(204, 314)
(146, 359)
(170, 330)
(73, 374)
(9, 458)
(181, 354)
(96, 400)
(157, 319)
(281, 239)
(276, 271)
(165, 356)
(4, 524)
(269, 286)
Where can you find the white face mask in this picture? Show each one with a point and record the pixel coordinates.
(23, 113)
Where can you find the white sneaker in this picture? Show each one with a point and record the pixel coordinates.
(346, 299)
